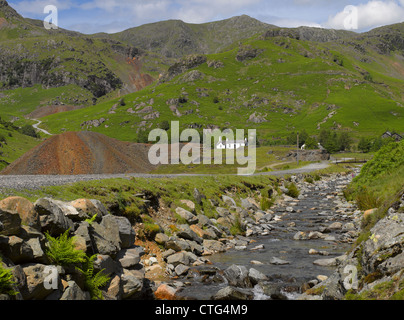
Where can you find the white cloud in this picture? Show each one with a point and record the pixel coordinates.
(372, 14)
(36, 7)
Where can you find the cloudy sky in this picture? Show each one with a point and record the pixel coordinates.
(91, 16)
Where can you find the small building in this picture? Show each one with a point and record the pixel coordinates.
(394, 136)
(231, 144)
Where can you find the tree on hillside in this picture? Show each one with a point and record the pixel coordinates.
(29, 130)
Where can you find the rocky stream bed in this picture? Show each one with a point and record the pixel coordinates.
(287, 250)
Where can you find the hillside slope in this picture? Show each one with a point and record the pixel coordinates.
(276, 83)
(81, 153)
(30, 55)
(175, 38)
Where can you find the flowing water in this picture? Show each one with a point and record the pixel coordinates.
(316, 210)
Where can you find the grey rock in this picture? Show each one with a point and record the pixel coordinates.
(128, 258)
(178, 258)
(278, 261)
(74, 292)
(238, 276)
(181, 270)
(188, 216)
(52, 216)
(256, 276)
(131, 286)
(106, 263)
(126, 233)
(186, 233)
(214, 246)
(231, 293)
(229, 201)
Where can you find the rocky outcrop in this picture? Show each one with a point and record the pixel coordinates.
(374, 267)
(23, 249)
(185, 64)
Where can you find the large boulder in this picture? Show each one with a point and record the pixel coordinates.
(35, 277)
(24, 208)
(105, 236)
(52, 216)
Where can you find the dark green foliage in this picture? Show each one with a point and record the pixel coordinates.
(93, 282)
(164, 125)
(29, 130)
(6, 281)
(387, 159)
(293, 191)
(61, 250)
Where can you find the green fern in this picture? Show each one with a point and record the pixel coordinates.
(61, 250)
(6, 281)
(93, 281)
(92, 219)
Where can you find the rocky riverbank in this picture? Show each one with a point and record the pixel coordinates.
(308, 232)
(296, 228)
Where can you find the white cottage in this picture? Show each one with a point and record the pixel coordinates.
(231, 144)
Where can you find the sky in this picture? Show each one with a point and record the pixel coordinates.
(92, 16)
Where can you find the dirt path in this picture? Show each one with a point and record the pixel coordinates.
(42, 130)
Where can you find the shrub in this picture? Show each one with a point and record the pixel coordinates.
(6, 281)
(266, 203)
(61, 250)
(293, 191)
(309, 179)
(237, 228)
(29, 130)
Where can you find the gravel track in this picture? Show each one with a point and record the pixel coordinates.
(33, 182)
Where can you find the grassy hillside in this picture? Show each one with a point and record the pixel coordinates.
(276, 84)
(175, 38)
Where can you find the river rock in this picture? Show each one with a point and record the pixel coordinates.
(256, 276)
(165, 292)
(238, 276)
(178, 258)
(278, 261)
(232, 293)
(213, 246)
